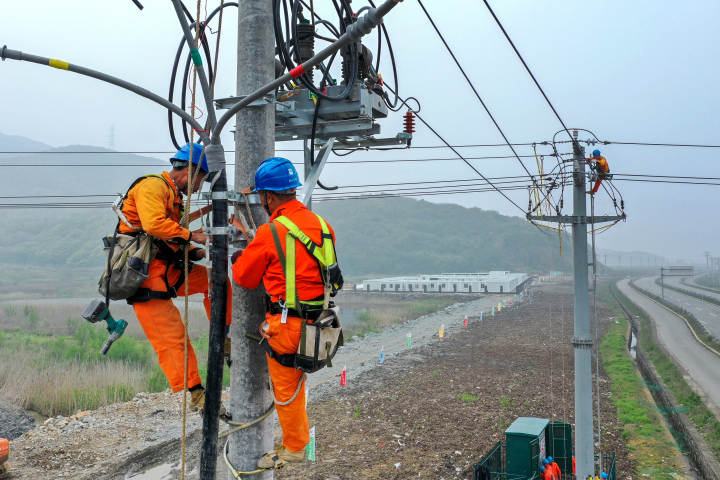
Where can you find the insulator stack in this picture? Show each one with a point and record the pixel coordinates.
(306, 43)
(409, 122)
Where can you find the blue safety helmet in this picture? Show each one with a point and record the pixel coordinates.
(604, 475)
(596, 153)
(180, 159)
(545, 461)
(276, 174)
(549, 459)
(542, 468)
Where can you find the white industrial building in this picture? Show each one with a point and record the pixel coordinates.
(491, 282)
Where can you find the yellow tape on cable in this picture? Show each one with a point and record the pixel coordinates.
(55, 63)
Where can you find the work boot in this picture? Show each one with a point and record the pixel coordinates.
(228, 360)
(197, 402)
(278, 457)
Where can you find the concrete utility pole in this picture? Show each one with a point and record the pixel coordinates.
(254, 142)
(582, 340)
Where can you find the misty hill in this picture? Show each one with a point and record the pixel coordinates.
(375, 237)
(16, 143)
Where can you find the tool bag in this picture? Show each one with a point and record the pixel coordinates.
(321, 338)
(127, 256)
(128, 260)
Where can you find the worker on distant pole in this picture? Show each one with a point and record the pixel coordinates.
(154, 205)
(265, 260)
(600, 168)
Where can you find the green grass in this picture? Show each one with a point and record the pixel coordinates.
(467, 398)
(672, 377)
(381, 316)
(61, 374)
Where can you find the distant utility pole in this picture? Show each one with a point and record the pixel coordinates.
(254, 142)
(582, 339)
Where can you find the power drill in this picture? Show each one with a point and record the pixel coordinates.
(97, 311)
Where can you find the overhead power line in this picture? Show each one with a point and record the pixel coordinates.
(517, 52)
(472, 87)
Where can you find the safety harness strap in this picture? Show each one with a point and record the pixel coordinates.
(286, 360)
(324, 254)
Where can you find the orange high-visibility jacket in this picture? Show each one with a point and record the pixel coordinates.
(155, 205)
(556, 469)
(602, 165)
(259, 262)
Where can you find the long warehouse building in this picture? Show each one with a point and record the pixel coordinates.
(491, 282)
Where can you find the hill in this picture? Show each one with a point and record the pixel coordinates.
(389, 236)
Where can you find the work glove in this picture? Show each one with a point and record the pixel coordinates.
(235, 256)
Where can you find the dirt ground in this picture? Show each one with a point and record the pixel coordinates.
(434, 411)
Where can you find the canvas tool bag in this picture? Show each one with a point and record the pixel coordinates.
(128, 260)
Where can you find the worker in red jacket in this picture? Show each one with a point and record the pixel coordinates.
(292, 298)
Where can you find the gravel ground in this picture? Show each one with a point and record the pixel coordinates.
(13, 421)
(121, 440)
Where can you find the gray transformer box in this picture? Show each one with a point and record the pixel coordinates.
(353, 116)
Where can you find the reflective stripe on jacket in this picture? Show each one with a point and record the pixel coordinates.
(259, 262)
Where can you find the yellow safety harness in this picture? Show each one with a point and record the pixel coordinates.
(323, 253)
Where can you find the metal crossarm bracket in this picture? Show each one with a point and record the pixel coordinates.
(233, 197)
(402, 139)
(586, 342)
(575, 219)
(215, 231)
(225, 103)
(313, 175)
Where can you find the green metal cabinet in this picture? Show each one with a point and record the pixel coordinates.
(526, 446)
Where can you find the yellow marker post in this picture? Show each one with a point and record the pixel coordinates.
(441, 332)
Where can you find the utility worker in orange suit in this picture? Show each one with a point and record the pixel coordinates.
(601, 168)
(276, 181)
(552, 464)
(154, 204)
(546, 473)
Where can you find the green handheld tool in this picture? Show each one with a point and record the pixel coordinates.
(97, 311)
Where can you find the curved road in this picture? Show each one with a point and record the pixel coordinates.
(699, 364)
(707, 313)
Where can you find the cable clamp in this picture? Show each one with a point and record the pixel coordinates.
(234, 197)
(215, 231)
(582, 342)
(2, 52)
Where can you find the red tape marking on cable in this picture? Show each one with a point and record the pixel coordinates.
(297, 71)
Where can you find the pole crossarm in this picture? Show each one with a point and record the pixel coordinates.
(6, 53)
(577, 219)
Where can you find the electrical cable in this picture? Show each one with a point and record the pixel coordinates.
(472, 87)
(552, 107)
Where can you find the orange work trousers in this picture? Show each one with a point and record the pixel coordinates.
(163, 325)
(284, 338)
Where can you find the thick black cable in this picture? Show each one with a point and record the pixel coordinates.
(517, 52)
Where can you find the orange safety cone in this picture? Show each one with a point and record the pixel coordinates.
(465, 321)
(343, 376)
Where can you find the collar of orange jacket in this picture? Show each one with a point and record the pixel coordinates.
(176, 191)
(287, 208)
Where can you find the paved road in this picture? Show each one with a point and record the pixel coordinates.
(699, 364)
(686, 283)
(707, 313)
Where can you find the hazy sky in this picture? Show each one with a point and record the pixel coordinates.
(629, 71)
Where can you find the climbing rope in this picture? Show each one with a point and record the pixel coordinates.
(186, 251)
